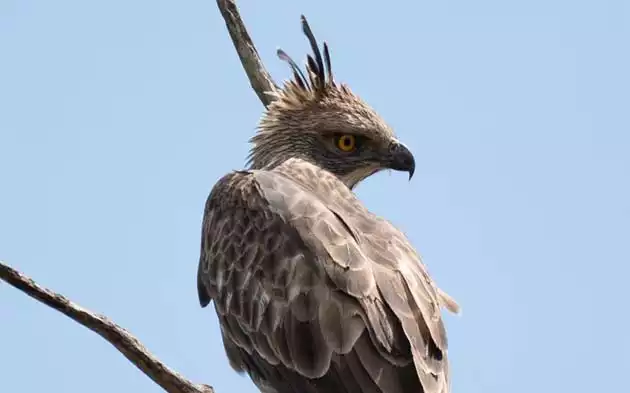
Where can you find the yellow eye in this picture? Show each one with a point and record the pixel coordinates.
(346, 143)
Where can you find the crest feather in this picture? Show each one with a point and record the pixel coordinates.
(318, 68)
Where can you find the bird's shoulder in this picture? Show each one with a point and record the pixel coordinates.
(258, 217)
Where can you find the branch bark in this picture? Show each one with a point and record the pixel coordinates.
(259, 78)
(170, 380)
(127, 344)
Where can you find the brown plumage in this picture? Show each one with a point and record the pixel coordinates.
(314, 293)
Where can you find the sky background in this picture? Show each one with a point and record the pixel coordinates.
(117, 117)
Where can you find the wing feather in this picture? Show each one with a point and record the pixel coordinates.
(315, 293)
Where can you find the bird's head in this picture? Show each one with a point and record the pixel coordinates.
(317, 120)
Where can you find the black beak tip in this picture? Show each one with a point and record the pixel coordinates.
(402, 159)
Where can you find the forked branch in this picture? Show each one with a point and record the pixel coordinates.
(127, 344)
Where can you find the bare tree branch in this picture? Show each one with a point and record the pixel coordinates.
(258, 76)
(127, 344)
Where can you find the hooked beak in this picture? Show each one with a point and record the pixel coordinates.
(401, 159)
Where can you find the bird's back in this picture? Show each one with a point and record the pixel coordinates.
(314, 293)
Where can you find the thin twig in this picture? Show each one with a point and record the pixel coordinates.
(127, 344)
(259, 78)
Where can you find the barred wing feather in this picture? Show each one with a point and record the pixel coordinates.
(315, 294)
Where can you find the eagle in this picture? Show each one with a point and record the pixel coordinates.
(313, 292)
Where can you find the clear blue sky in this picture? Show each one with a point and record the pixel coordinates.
(117, 117)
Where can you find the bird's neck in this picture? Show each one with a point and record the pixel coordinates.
(272, 149)
(259, 159)
(350, 180)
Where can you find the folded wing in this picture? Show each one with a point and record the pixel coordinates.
(313, 293)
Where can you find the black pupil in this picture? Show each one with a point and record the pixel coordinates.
(346, 141)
